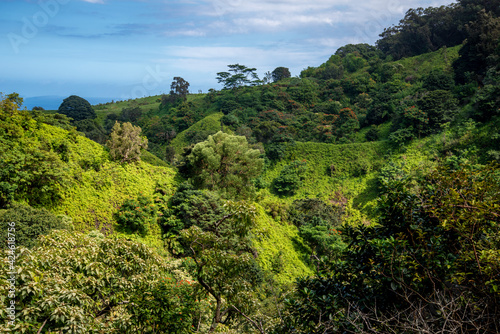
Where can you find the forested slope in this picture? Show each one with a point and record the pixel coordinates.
(361, 196)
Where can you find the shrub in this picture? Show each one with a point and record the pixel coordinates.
(402, 136)
(29, 222)
(438, 79)
(372, 134)
(135, 215)
(290, 178)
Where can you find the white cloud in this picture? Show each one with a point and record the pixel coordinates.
(240, 16)
(209, 60)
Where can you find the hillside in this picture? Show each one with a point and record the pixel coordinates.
(359, 197)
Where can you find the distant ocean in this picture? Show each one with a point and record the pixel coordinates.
(53, 102)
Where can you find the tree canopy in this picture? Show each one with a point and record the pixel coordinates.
(224, 162)
(280, 73)
(77, 108)
(237, 76)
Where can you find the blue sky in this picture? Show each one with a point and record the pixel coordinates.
(128, 49)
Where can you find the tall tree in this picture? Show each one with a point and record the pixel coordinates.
(423, 30)
(77, 108)
(237, 76)
(126, 142)
(179, 88)
(223, 260)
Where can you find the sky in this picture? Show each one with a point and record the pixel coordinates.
(110, 49)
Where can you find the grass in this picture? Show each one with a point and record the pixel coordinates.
(146, 104)
(344, 174)
(211, 123)
(280, 248)
(421, 65)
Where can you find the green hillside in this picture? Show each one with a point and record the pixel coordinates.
(360, 197)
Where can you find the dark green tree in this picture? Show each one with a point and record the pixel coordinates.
(440, 106)
(92, 130)
(480, 52)
(179, 89)
(29, 223)
(423, 30)
(77, 108)
(290, 178)
(131, 114)
(281, 73)
(346, 125)
(438, 79)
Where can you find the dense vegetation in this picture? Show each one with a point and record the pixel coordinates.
(362, 196)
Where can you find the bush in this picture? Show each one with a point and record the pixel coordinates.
(372, 134)
(438, 79)
(290, 178)
(29, 224)
(136, 215)
(402, 136)
(275, 151)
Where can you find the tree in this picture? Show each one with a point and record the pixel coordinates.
(224, 162)
(92, 130)
(179, 87)
(131, 114)
(290, 178)
(76, 283)
(365, 50)
(346, 125)
(126, 143)
(438, 79)
(281, 73)
(440, 107)
(238, 76)
(77, 108)
(480, 51)
(423, 30)
(223, 260)
(434, 255)
(15, 98)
